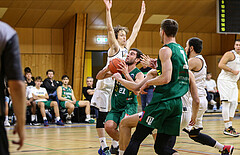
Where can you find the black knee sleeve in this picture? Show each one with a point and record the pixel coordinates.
(201, 138)
(101, 119)
(164, 144)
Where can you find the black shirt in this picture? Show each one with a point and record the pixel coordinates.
(86, 95)
(51, 86)
(10, 65)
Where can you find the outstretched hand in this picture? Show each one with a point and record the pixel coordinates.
(143, 9)
(143, 88)
(117, 76)
(20, 130)
(123, 68)
(108, 4)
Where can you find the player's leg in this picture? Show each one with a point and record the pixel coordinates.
(138, 136)
(164, 144)
(86, 104)
(3, 138)
(125, 127)
(41, 105)
(6, 122)
(111, 129)
(104, 149)
(54, 104)
(70, 107)
(201, 111)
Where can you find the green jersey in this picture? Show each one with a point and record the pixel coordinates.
(122, 96)
(67, 93)
(179, 84)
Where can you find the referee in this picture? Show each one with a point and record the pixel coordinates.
(10, 68)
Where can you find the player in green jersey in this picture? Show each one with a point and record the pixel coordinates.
(123, 101)
(164, 111)
(68, 100)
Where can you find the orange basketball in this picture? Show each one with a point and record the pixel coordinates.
(113, 65)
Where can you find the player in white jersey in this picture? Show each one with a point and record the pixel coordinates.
(118, 49)
(227, 86)
(198, 66)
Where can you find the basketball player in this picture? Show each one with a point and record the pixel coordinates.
(227, 85)
(172, 82)
(123, 101)
(67, 100)
(10, 67)
(188, 116)
(198, 66)
(119, 47)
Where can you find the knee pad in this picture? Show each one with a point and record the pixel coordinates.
(101, 119)
(192, 133)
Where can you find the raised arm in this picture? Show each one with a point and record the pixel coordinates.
(136, 27)
(112, 41)
(103, 74)
(228, 56)
(165, 54)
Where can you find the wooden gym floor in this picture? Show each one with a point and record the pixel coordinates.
(82, 139)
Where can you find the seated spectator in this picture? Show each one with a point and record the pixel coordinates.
(29, 79)
(68, 100)
(27, 70)
(51, 85)
(40, 96)
(89, 90)
(32, 104)
(212, 90)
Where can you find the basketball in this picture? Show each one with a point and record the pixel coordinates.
(113, 65)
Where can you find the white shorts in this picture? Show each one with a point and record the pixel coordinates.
(228, 90)
(102, 99)
(186, 118)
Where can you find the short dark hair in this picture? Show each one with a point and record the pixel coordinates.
(65, 76)
(237, 40)
(139, 53)
(196, 43)
(27, 69)
(89, 77)
(119, 28)
(28, 72)
(38, 78)
(170, 27)
(50, 70)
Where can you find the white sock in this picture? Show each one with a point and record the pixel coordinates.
(44, 118)
(88, 116)
(57, 118)
(6, 118)
(115, 143)
(121, 152)
(103, 142)
(219, 146)
(226, 125)
(229, 123)
(33, 117)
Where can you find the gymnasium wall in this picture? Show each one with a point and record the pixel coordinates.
(42, 49)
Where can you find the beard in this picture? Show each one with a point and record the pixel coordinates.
(129, 63)
(188, 53)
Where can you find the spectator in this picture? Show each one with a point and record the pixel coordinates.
(89, 90)
(68, 100)
(146, 98)
(11, 69)
(29, 79)
(6, 122)
(212, 90)
(30, 102)
(40, 96)
(51, 85)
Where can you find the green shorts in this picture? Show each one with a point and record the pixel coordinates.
(117, 116)
(47, 103)
(63, 104)
(164, 116)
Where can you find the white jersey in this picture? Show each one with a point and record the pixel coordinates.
(102, 95)
(211, 84)
(200, 77)
(109, 82)
(234, 65)
(38, 92)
